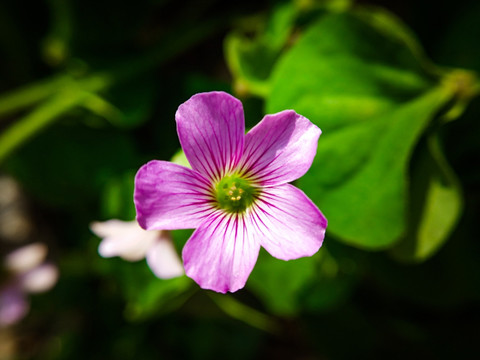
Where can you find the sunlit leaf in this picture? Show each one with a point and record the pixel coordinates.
(359, 174)
(436, 204)
(251, 60)
(372, 98)
(343, 71)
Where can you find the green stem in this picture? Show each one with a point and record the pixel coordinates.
(168, 49)
(30, 94)
(61, 93)
(42, 116)
(244, 313)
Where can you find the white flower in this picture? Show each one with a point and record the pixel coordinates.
(26, 258)
(129, 241)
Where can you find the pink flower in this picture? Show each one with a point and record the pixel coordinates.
(30, 274)
(129, 241)
(14, 306)
(236, 194)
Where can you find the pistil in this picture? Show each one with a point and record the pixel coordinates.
(235, 194)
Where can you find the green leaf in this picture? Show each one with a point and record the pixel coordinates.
(127, 104)
(278, 283)
(229, 305)
(436, 204)
(368, 92)
(250, 64)
(155, 297)
(316, 283)
(117, 197)
(359, 176)
(343, 71)
(392, 27)
(43, 115)
(179, 158)
(251, 60)
(335, 279)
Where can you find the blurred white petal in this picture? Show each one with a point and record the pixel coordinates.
(13, 306)
(123, 238)
(40, 279)
(112, 227)
(163, 259)
(26, 258)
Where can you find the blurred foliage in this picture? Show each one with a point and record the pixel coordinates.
(89, 92)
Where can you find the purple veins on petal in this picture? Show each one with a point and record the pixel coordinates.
(169, 196)
(290, 224)
(211, 128)
(221, 253)
(280, 148)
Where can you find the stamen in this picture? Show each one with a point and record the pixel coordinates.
(235, 194)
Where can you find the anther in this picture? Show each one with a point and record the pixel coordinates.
(235, 194)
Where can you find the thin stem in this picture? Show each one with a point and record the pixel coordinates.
(61, 93)
(30, 94)
(244, 313)
(42, 116)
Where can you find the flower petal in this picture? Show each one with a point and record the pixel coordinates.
(26, 257)
(280, 148)
(211, 128)
(169, 196)
(123, 238)
(287, 223)
(13, 306)
(163, 259)
(221, 253)
(40, 279)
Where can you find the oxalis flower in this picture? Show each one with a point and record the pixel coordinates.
(236, 194)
